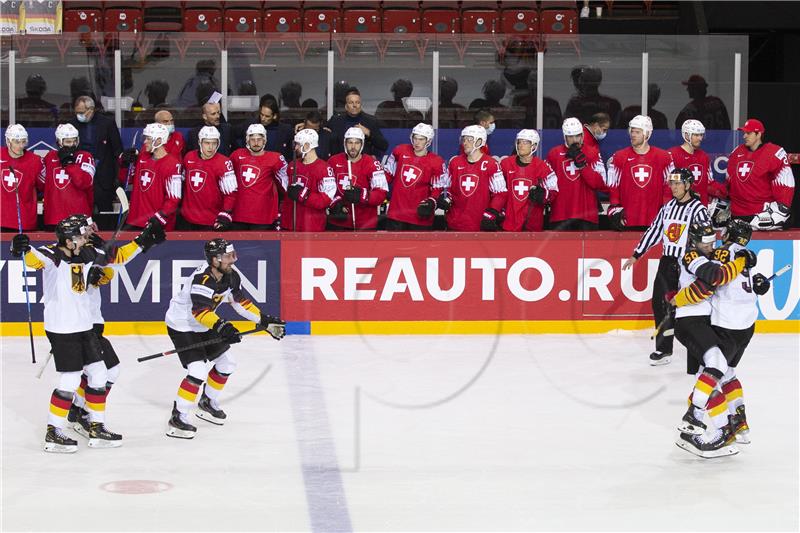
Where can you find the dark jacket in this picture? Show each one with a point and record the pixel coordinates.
(100, 137)
(375, 145)
(225, 147)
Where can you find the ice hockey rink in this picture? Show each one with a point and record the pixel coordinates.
(409, 433)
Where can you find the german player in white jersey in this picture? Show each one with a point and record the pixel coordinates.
(192, 318)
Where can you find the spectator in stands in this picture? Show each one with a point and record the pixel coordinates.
(248, 88)
(588, 100)
(156, 93)
(551, 109)
(313, 121)
(448, 110)
(375, 143)
(204, 72)
(493, 91)
(596, 130)
(659, 119)
(709, 110)
(290, 94)
(36, 110)
(211, 117)
(392, 113)
(100, 137)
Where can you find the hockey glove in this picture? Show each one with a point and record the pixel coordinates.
(774, 216)
(537, 194)
(298, 192)
(490, 220)
(354, 195)
(274, 326)
(761, 284)
(426, 208)
(227, 331)
(20, 245)
(445, 201)
(94, 276)
(158, 218)
(574, 153)
(338, 210)
(128, 157)
(750, 258)
(97, 241)
(719, 211)
(616, 217)
(66, 155)
(151, 235)
(224, 221)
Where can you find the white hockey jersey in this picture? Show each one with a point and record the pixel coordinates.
(734, 305)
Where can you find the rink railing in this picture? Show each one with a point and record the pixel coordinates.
(415, 283)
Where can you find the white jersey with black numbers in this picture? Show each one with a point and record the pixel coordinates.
(690, 262)
(734, 305)
(671, 227)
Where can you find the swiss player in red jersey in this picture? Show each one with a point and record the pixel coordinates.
(157, 180)
(595, 131)
(531, 185)
(413, 172)
(311, 189)
(361, 186)
(209, 187)
(759, 180)
(581, 174)
(261, 181)
(20, 171)
(475, 187)
(68, 177)
(689, 155)
(636, 179)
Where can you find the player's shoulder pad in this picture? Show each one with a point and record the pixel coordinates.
(204, 277)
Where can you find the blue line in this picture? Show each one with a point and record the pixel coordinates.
(327, 503)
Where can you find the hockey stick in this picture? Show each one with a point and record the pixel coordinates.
(47, 362)
(25, 273)
(196, 345)
(350, 179)
(124, 206)
(780, 272)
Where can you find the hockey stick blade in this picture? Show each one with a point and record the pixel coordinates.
(44, 366)
(124, 205)
(195, 345)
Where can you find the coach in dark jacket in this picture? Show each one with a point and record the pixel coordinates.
(99, 136)
(375, 143)
(211, 117)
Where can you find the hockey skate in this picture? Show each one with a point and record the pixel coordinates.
(690, 424)
(56, 442)
(739, 424)
(658, 358)
(101, 437)
(207, 412)
(81, 424)
(177, 426)
(74, 413)
(722, 444)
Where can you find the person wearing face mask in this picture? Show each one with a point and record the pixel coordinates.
(596, 130)
(67, 178)
(19, 171)
(155, 181)
(100, 137)
(174, 145)
(375, 144)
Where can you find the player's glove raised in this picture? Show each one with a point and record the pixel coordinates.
(274, 326)
(574, 152)
(94, 276)
(750, 258)
(20, 245)
(227, 331)
(760, 284)
(66, 155)
(151, 235)
(128, 157)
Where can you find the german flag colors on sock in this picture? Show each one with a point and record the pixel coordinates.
(59, 407)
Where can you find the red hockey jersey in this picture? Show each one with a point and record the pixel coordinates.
(474, 187)
(260, 179)
(67, 190)
(758, 177)
(175, 144)
(209, 188)
(636, 183)
(156, 189)
(24, 175)
(577, 187)
(311, 215)
(413, 179)
(367, 174)
(521, 213)
(700, 166)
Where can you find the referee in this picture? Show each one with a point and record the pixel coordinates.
(670, 228)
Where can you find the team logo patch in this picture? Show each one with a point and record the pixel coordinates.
(697, 172)
(743, 170)
(60, 177)
(641, 175)
(249, 175)
(410, 175)
(11, 179)
(146, 178)
(344, 181)
(520, 188)
(570, 170)
(468, 184)
(197, 178)
(674, 231)
(78, 283)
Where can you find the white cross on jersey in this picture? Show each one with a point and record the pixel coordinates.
(521, 188)
(344, 183)
(696, 173)
(146, 179)
(409, 175)
(249, 175)
(468, 183)
(10, 178)
(571, 168)
(62, 177)
(197, 179)
(641, 174)
(744, 169)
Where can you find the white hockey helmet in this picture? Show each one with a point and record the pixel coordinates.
(16, 132)
(572, 126)
(692, 127)
(476, 132)
(529, 135)
(306, 137)
(255, 129)
(354, 133)
(157, 133)
(66, 131)
(642, 122)
(208, 132)
(423, 130)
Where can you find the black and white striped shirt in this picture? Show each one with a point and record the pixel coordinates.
(671, 227)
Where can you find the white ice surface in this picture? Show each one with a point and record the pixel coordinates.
(371, 433)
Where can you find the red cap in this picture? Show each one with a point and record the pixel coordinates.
(752, 124)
